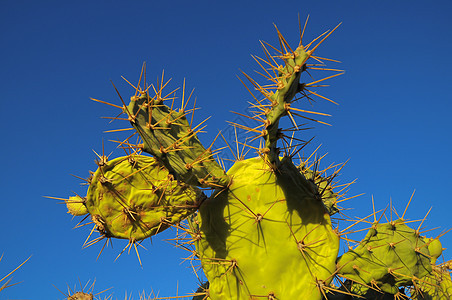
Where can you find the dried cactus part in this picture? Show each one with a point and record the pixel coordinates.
(81, 296)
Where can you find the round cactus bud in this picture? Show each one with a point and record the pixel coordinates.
(435, 248)
(76, 206)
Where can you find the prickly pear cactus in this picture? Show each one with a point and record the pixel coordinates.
(266, 230)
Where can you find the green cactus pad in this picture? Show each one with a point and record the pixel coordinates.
(267, 236)
(168, 136)
(134, 197)
(391, 255)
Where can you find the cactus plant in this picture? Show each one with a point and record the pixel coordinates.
(265, 229)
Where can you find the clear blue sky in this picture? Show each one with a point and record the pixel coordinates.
(393, 121)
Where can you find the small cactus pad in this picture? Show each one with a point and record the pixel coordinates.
(168, 136)
(391, 255)
(134, 197)
(266, 237)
